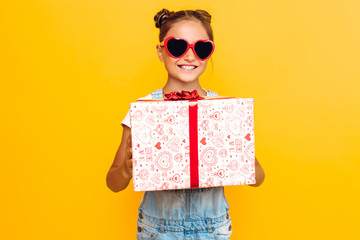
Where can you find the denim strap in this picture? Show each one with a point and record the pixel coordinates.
(158, 94)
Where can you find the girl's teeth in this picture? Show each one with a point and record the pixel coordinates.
(187, 67)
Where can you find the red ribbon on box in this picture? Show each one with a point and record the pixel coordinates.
(194, 152)
(193, 131)
(183, 95)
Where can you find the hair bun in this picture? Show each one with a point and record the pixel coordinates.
(160, 17)
(204, 14)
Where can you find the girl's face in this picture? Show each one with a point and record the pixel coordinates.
(191, 31)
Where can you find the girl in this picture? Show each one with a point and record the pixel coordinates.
(199, 213)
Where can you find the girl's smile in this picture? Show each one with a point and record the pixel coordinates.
(187, 67)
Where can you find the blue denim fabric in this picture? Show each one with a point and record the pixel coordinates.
(184, 214)
(200, 213)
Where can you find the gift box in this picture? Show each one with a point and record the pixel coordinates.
(192, 143)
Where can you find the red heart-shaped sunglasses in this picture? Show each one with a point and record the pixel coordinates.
(178, 47)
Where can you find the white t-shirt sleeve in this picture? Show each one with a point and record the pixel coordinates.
(126, 120)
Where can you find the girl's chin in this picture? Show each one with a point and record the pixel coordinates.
(186, 80)
(187, 77)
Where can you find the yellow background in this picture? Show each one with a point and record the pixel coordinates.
(69, 70)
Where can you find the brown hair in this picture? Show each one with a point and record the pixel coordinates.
(164, 20)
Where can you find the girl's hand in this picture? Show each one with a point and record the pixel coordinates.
(120, 172)
(259, 174)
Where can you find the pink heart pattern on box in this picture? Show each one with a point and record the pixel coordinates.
(160, 132)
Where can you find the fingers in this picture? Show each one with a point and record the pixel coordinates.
(130, 163)
(129, 154)
(128, 149)
(129, 159)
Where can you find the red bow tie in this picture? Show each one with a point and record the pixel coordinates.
(183, 95)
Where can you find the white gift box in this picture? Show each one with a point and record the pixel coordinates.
(192, 143)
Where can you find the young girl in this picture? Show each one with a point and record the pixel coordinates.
(198, 213)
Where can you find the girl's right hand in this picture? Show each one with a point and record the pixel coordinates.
(120, 172)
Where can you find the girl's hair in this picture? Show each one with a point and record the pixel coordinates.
(164, 20)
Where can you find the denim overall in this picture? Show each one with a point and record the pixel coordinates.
(198, 213)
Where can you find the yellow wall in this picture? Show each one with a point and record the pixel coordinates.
(69, 70)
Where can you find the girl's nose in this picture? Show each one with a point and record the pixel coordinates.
(189, 55)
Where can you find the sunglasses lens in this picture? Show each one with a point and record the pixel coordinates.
(203, 49)
(176, 47)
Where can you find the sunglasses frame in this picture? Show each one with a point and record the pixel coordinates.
(192, 46)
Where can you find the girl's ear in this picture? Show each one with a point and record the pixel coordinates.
(159, 52)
